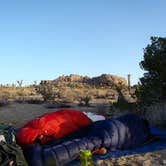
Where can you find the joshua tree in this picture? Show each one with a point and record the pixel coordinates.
(34, 83)
(20, 83)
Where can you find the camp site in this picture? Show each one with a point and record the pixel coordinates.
(82, 83)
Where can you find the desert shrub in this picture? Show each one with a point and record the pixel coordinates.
(68, 94)
(20, 92)
(13, 92)
(85, 100)
(48, 91)
(5, 95)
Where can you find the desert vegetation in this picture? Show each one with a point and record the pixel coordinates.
(14, 92)
(106, 94)
(73, 88)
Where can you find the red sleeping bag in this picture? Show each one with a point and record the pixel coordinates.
(51, 126)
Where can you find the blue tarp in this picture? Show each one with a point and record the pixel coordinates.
(159, 144)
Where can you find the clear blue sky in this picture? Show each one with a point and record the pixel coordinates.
(42, 39)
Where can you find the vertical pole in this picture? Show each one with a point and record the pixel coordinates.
(129, 82)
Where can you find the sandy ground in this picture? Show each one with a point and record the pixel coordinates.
(157, 158)
(17, 114)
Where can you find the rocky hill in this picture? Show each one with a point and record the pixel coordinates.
(104, 87)
(72, 78)
(103, 80)
(107, 80)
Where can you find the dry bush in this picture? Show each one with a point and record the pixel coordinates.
(20, 92)
(28, 91)
(15, 92)
(73, 95)
(47, 91)
(5, 95)
(68, 95)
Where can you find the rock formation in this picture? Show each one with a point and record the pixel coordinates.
(102, 80)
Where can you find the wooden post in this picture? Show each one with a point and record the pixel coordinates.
(129, 82)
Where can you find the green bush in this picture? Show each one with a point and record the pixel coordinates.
(152, 87)
(48, 91)
(85, 100)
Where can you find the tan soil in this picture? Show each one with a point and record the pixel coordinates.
(156, 158)
(17, 114)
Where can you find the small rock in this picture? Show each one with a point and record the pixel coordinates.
(147, 163)
(141, 158)
(104, 163)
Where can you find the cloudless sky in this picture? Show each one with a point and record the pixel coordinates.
(42, 39)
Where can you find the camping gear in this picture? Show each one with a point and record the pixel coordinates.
(51, 126)
(127, 131)
(95, 117)
(101, 151)
(10, 152)
(7, 133)
(157, 145)
(86, 158)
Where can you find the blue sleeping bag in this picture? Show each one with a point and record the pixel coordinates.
(127, 131)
